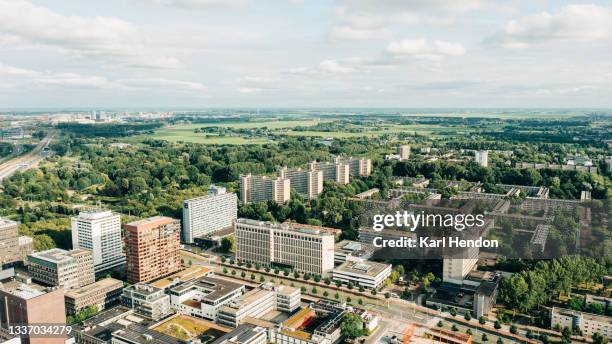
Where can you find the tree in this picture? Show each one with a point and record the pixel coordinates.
(482, 320)
(497, 325)
(500, 341)
(452, 311)
(360, 302)
(243, 274)
(225, 271)
(440, 323)
(454, 328)
(336, 296)
(374, 292)
(513, 329)
(484, 337)
(467, 316)
(468, 332)
(598, 338)
(529, 334)
(314, 290)
(262, 279)
(233, 272)
(351, 326)
(566, 335)
(325, 294)
(228, 244)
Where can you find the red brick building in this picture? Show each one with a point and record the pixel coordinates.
(152, 248)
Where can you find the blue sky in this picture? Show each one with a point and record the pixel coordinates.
(292, 53)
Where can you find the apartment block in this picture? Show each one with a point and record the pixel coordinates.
(208, 214)
(23, 303)
(304, 248)
(365, 273)
(404, 152)
(588, 323)
(482, 158)
(102, 294)
(61, 268)
(454, 270)
(205, 297)
(152, 248)
(258, 302)
(263, 188)
(338, 172)
(146, 300)
(307, 183)
(357, 166)
(100, 232)
(13, 248)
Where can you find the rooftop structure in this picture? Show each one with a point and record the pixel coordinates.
(363, 273)
(102, 294)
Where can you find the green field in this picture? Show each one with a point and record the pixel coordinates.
(185, 132)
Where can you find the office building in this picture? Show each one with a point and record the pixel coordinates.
(139, 334)
(588, 323)
(307, 183)
(205, 297)
(61, 268)
(13, 248)
(152, 248)
(245, 334)
(100, 232)
(364, 273)
(258, 302)
(208, 214)
(304, 248)
(355, 251)
(337, 172)
(146, 300)
(485, 296)
(263, 188)
(99, 328)
(482, 158)
(25, 303)
(404, 152)
(102, 294)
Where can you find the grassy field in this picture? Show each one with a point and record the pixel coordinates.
(272, 124)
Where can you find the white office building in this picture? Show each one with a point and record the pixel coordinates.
(365, 273)
(100, 232)
(304, 248)
(204, 298)
(208, 214)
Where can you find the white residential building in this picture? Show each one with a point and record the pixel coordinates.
(365, 273)
(208, 214)
(482, 158)
(304, 248)
(100, 232)
(263, 188)
(588, 323)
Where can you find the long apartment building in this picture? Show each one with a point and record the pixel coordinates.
(61, 268)
(305, 249)
(357, 166)
(208, 214)
(335, 171)
(588, 323)
(258, 302)
(152, 248)
(263, 188)
(100, 232)
(308, 183)
(13, 248)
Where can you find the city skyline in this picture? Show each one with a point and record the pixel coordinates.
(288, 53)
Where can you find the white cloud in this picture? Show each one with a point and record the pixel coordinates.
(197, 4)
(349, 33)
(424, 49)
(163, 84)
(572, 22)
(248, 90)
(108, 39)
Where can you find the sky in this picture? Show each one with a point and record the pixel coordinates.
(305, 53)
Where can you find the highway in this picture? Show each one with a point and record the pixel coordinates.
(26, 161)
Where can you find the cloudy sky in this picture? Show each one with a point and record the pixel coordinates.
(305, 53)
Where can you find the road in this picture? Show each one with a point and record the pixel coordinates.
(25, 161)
(395, 314)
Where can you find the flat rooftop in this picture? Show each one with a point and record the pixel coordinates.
(54, 255)
(371, 269)
(150, 221)
(186, 275)
(216, 288)
(583, 315)
(22, 290)
(184, 327)
(94, 288)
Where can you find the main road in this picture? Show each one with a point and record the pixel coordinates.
(25, 161)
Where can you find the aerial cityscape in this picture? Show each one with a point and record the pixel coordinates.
(171, 173)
